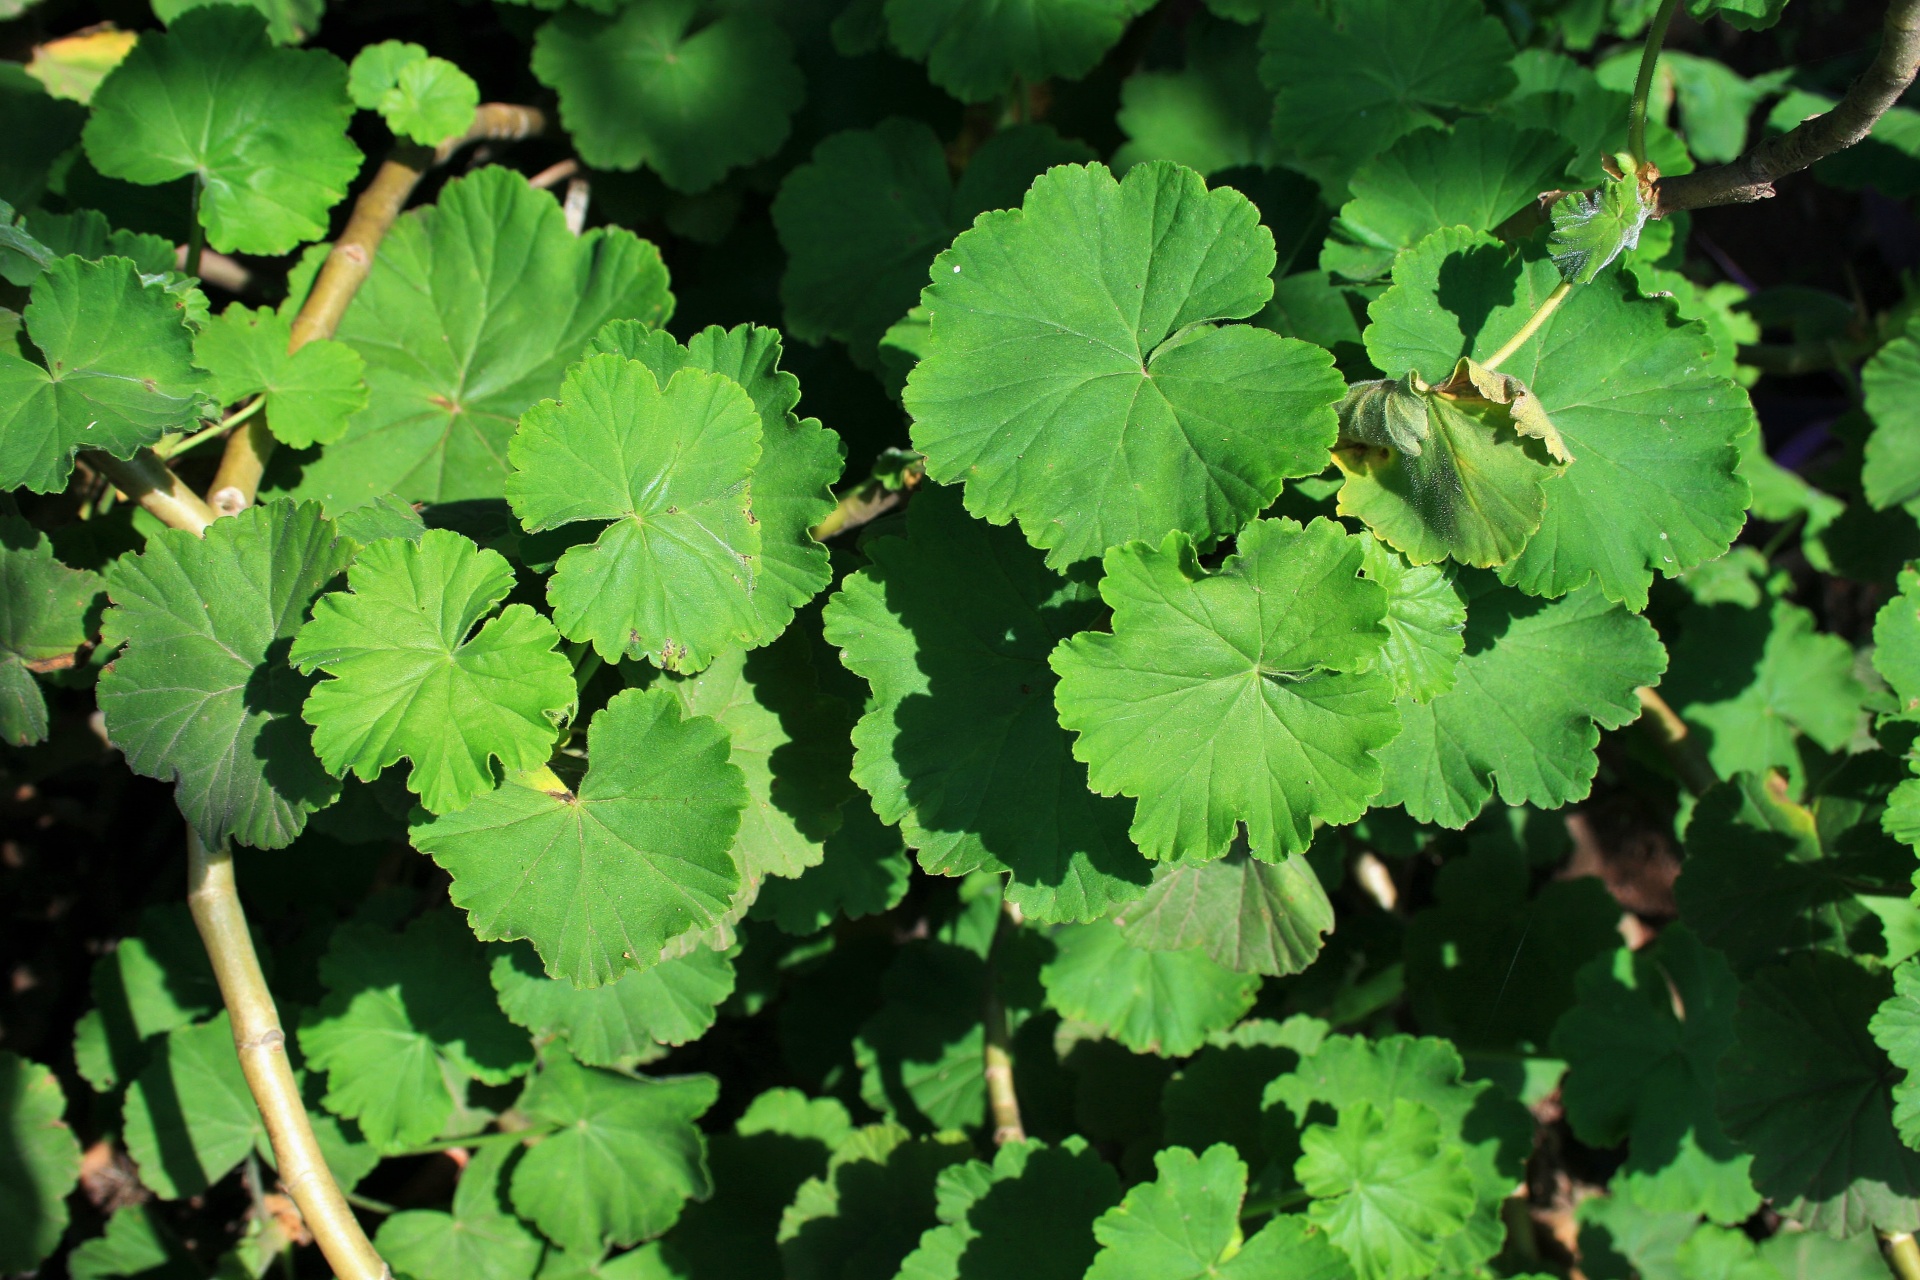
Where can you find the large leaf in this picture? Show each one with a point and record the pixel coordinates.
(627, 1021)
(976, 49)
(115, 371)
(474, 308)
(1164, 1002)
(405, 1015)
(1653, 433)
(263, 130)
(688, 88)
(1538, 681)
(202, 694)
(413, 678)
(952, 626)
(310, 393)
(1388, 1186)
(1641, 1048)
(1352, 76)
(44, 619)
(624, 1158)
(599, 879)
(1242, 695)
(1075, 379)
(1809, 1093)
(40, 1164)
(1249, 915)
(862, 220)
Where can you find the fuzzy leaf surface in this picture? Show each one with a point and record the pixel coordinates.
(1251, 694)
(1110, 405)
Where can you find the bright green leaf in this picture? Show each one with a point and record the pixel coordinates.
(1249, 915)
(627, 1021)
(479, 1240)
(310, 393)
(40, 1166)
(919, 1055)
(189, 1118)
(413, 678)
(288, 21)
(151, 983)
(1896, 640)
(864, 870)
(421, 97)
(1164, 1002)
(1106, 404)
(1426, 622)
(1212, 114)
(1890, 474)
(1388, 1187)
(1241, 695)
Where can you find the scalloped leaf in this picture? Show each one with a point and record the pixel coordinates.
(310, 393)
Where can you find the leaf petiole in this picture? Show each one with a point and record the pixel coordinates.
(1548, 306)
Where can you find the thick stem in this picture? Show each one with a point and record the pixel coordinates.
(1643, 83)
(1903, 1254)
(1679, 745)
(347, 266)
(262, 1046)
(1548, 306)
(152, 484)
(1752, 176)
(1002, 1101)
(196, 234)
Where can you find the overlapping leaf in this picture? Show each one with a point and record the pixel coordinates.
(1030, 1213)
(919, 1055)
(474, 308)
(1212, 114)
(976, 49)
(1164, 1002)
(421, 97)
(1251, 694)
(202, 694)
(45, 617)
(1249, 915)
(262, 130)
(1891, 471)
(627, 1021)
(310, 393)
(478, 1239)
(1388, 1185)
(1109, 404)
(870, 1206)
(952, 626)
(416, 674)
(600, 878)
(1426, 622)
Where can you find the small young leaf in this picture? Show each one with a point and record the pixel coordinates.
(42, 1164)
(1108, 404)
(1164, 1002)
(263, 130)
(113, 384)
(1243, 695)
(633, 859)
(413, 678)
(202, 694)
(1592, 228)
(421, 97)
(310, 393)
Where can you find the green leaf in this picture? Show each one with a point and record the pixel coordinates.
(1184, 1225)
(976, 49)
(1750, 681)
(480, 1239)
(632, 859)
(1457, 470)
(474, 308)
(1236, 696)
(1127, 412)
(288, 21)
(1216, 1095)
(1487, 930)
(1388, 1187)
(115, 372)
(952, 625)
(189, 1118)
(44, 236)
(44, 620)
(1538, 681)
(797, 457)
(1030, 1214)
(1352, 77)
(1477, 174)
(413, 678)
(1426, 622)
(148, 985)
(132, 1245)
(421, 97)
(862, 220)
(1653, 434)
(1808, 1092)
(1641, 1047)
(202, 694)
(1212, 114)
(688, 89)
(1164, 1002)
(1743, 15)
(1592, 228)
(40, 129)
(865, 1214)
(407, 1017)
(1890, 474)
(40, 1166)
(264, 130)
(625, 1022)
(1248, 915)
(623, 1159)
(1896, 641)
(1896, 1029)
(310, 393)
(864, 871)
(669, 464)
(1496, 1130)
(919, 1055)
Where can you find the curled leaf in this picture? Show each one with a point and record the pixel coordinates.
(1592, 228)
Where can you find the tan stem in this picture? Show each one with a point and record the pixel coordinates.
(1752, 176)
(1002, 1100)
(1548, 305)
(1678, 744)
(262, 1046)
(1903, 1255)
(150, 482)
(245, 461)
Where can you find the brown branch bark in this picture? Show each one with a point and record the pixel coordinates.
(1003, 1102)
(347, 266)
(1752, 176)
